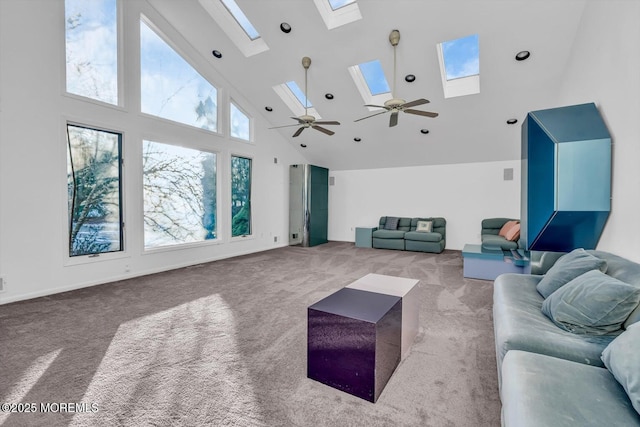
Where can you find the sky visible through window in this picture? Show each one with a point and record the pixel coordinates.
(241, 18)
(239, 123)
(295, 89)
(461, 57)
(374, 76)
(92, 49)
(337, 4)
(171, 88)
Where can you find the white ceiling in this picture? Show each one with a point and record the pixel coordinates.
(469, 129)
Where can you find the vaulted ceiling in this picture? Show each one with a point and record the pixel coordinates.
(469, 128)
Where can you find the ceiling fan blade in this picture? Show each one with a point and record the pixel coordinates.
(330, 122)
(421, 113)
(415, 103)
(299, 120)
(298, 132)
(393, 120)
(321, 129)
(285, 126)
(376, 114)
(377, 106)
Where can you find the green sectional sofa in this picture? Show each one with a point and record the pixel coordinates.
(490, 237)
(403, 234)
(581, 368)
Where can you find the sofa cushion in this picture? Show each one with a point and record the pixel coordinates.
(424, 226)
(622, 358)
(388, 234)
(422, 236)
(567, 268)
(506, 228)
(391, 223)
(539, 390)
(592, 303)
(493, 241)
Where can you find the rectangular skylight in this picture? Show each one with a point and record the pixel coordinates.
(374, 76)
(241, 18)
(461, 57)
(460, 66)
(299, 94)
(337, 4)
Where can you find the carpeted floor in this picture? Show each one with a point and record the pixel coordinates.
(224, 343)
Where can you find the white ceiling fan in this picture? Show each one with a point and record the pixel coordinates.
(307, 120)
(395, 105)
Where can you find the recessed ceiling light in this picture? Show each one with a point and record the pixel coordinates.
(512, 121)
(216, 53)
(269, 109)
(522, 55)
(410, 78)
(424, 131)
(303, 145)
(356, 139)
(328, 95)
(286, 28)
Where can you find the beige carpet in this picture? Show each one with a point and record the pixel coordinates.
(224, 343)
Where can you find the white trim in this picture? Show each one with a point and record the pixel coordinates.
(336, 18)
(232, 28)
(293, 103)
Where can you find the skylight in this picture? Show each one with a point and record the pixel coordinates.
(460, 66)
(461, 57)
(299, 94)
(374, 76)
(241, 18)
(337, 4)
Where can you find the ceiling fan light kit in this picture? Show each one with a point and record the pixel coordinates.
(396, 105)
(307, 120)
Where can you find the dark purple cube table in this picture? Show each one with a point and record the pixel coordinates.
(354, 341)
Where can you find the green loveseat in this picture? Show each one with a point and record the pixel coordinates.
(405, 237)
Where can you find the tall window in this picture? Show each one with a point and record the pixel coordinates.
(91, 40)
(240, 196)
(94, 168)
(240, 123)
(171, 88)
(179, 186)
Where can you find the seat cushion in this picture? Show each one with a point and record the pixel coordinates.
(493, 241)
(388, 234)
(422, 236)
(622, 358)
(539, 390)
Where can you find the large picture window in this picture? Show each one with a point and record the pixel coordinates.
(240, 196)
(94, 168)
(91, 39)
(179, 186)
(171, 88)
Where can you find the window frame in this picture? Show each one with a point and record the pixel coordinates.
(120, 68)
(70, 260)
(249, 117)
(219, 220)
(252, 233)
(167, 40)
(460, 86)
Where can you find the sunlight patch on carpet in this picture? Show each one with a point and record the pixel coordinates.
(181, 363)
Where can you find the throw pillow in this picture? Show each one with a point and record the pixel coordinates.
(592, 303)
(506, 227)
(513, 234)
(622, 358)
(425, 226)
(567, 268)
(391, 223)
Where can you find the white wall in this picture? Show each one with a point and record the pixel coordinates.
(605, 69)
(34, 110)
(464, 194)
